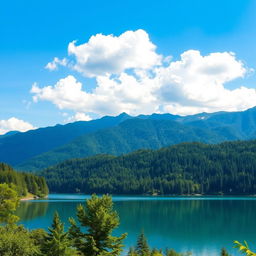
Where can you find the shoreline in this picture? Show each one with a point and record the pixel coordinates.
(158, 195)
(27, 198)
(30, 197)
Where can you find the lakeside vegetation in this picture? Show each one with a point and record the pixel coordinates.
(184, 169)
(91, 236)
(189, 168)
(27, 185)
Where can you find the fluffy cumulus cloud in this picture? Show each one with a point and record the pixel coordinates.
(131, 77)
(196, 83)
(110, 54)
(111, 96)
(53, 65)
(14, 124)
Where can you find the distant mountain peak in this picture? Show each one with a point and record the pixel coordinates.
(124, 114)
(122, 134)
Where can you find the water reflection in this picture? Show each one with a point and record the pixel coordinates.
(201, 226)
(29, 210)
(190, 225)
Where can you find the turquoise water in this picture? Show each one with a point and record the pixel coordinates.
(202, 225)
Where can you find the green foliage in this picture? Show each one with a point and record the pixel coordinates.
(24, 182)
(9, 202)
(16, 241)
(171, 252)
(132, 252)
(142, 248)
(184, 169)
(38, 235)
(99, 219)
(156, 252)
(57, 242)
(224, 252)
(244, 248)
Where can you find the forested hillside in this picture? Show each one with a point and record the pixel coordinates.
(18, 147)
(187, 168)
(24, 182)
(128, 136)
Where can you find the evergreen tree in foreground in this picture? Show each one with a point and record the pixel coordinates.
(57, 242)
(16, 241)
(224, 252)
(99, 219)
(142, 248)
(9, 202)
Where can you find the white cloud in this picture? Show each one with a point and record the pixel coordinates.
(110, 54)
(196, 83)
(111, 96)
(192, 84)
(14, 124)
(55, 63)
(66, 94)
(78, 117)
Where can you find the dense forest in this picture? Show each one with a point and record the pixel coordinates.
(187, 168)
(24, 182)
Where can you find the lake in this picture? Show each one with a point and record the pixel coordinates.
(202, 225)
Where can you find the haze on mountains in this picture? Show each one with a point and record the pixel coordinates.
(38, 149)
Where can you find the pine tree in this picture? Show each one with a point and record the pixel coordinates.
(99, 219)
(142, 248)
(57, 242)
(224, 252)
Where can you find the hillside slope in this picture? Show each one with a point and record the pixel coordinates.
(187, 168)
(20, 147)
(24, 182)
(128, 136)
(39, 148)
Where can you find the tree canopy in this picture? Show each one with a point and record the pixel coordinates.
(9, 202)
(184, 169)
(99, 219)
(24, 182)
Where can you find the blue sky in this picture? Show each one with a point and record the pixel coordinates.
(34, 32)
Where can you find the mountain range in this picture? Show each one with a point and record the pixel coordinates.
(40, 148)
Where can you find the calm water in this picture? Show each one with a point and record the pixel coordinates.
(202, 225)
